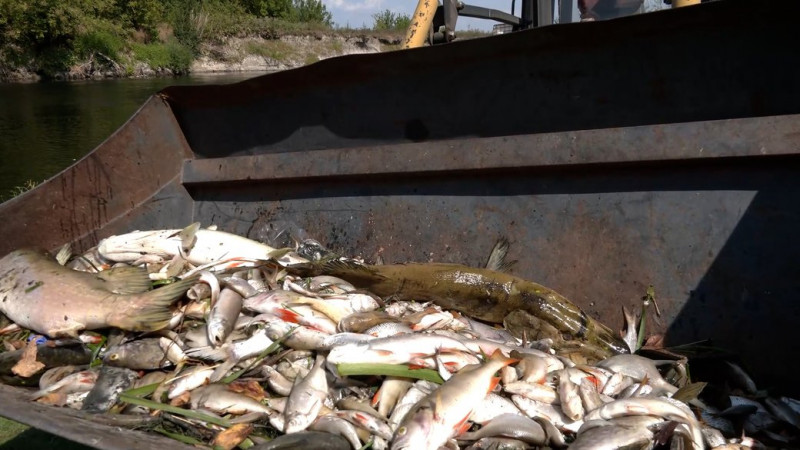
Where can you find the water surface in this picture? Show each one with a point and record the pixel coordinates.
(45, 127)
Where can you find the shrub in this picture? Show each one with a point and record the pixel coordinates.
(170, 55)
(311, 11)
(387, 20)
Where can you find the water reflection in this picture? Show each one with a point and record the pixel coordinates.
(45, 127)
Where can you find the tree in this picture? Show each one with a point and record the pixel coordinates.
(387, 20)
(312, 11)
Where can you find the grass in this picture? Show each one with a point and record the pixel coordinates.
(273, 49)
(16, 436)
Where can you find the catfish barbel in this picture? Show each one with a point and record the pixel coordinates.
(480, 293)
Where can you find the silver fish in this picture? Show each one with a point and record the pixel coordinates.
(306, 398)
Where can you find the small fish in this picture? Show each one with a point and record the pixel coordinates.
(638, 368)
(358, 322)
(630, 337)
(534, 391)
(223, 315)
(306, 398)
(445, 411)
(389, 393)
(492, 406)
(82, 381)
(110, 383)
(570, 398)
(512, 426)
(218, 398)
(337, 426)
(414, 394)
(189, 380)
(34, 289)
(612, 436)
(141, 354)
(660, 407)
(369, 422)
(305, 439)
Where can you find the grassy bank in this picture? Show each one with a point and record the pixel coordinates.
(16, 436)
(51, 38)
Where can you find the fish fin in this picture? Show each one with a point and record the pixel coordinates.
(498, 356)
(149, 311)
(64, 253)
(208, 353)
(125, 280)
(438, 407)
(462, 426)
(376, 397)
(493, 384)
(188, 237)
(497, 258)
(689, 392)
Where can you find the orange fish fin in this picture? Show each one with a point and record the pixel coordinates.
(493, 384)
(499, 356)
(463, 425)
(376, 397)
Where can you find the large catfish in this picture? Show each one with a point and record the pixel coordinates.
(481, 293)
(39, 294)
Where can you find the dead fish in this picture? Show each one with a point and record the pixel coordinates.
(198, 246)
(110, 383)
(480, 293)
(82, 381)
(442, 414)
(223, 316)
(512, 426)
(39, 294)
(305, 439)
(51, 357)
(337, 426)
(612, 436)
(141, 354)
(306, 398)
(217, 398)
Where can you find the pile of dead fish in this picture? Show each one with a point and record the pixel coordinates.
(218, 340)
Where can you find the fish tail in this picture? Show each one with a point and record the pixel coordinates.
(502, 359)
(150, 311)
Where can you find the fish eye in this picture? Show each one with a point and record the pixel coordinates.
(401, 431)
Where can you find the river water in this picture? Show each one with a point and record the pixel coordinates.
(46, 127)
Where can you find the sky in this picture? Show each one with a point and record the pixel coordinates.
(358, 13)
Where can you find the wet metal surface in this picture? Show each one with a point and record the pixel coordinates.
(109, 183)
(721, 60)
(662, 189)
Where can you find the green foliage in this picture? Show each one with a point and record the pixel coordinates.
(103, 41)
(387, 20)
(170, 55)
(50, 36)
(281, 9)
(141, 15)
(311, 11)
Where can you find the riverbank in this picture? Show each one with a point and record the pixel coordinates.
(230, 54)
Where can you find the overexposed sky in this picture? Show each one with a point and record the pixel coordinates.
(358, 13)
